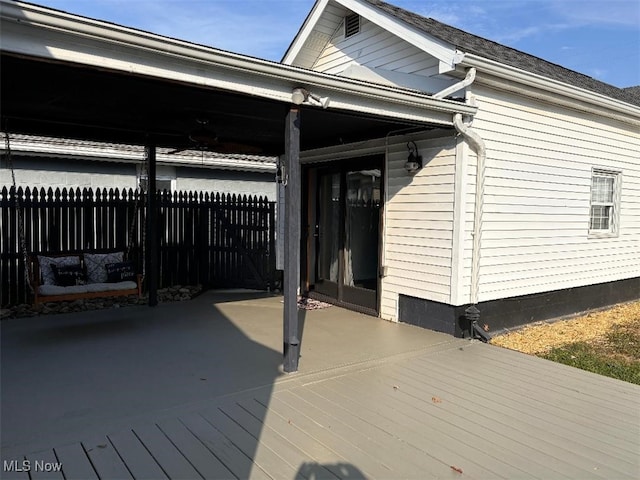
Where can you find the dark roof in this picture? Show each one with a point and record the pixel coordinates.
(469, 43)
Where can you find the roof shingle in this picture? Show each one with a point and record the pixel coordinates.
(491, 50)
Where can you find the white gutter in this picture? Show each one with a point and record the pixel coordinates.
(468, 80)
(120, 38)
(558, 92)
(477, 144)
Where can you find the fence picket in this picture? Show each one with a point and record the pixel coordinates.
(218, 240)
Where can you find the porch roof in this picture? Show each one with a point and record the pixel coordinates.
(68, 76)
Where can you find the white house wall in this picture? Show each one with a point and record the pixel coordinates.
(539, 164)
(376, 48)
(419, 223)
(34, 173)
(44, 173)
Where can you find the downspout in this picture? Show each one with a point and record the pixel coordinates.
(477, 144)
(468, 80)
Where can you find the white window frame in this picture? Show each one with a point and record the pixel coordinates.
(613, 206)
(163, 174)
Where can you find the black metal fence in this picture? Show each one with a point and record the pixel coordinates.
(212, 239)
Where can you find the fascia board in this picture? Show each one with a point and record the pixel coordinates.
(443, 51)
(558, 92)
(306, 29)
(28, 146)
(36, 31)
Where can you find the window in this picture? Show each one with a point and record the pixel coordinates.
(165, 179)
(351, 25)
(605, 190)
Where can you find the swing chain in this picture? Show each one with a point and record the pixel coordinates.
(21, 232)
(136, 209)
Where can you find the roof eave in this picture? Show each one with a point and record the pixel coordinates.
(602, 103)
(52, 35)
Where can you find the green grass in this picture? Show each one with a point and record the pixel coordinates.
(616, 356)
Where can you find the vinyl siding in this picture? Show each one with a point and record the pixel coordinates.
(537, 198)
(373, 47)
(419, 224)
(63, 173)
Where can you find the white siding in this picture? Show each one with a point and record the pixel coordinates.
(376, 48)
(31, 174)
(265, 188)
(419, 224)
(536, 199)
(62, 173)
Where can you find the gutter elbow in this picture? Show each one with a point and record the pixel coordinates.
(476, 142)
(468, 80)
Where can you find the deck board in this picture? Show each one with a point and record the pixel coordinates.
(263, 457)
(289, 452)
(491, 412)
(357, 452)
(556, 386)
(373, 408)
(449, 406)
(105, 459)
(205, 462)
(39, 469)
(452, 425)
(531, 400)
(137, 458)
(398, 456)
(234, 459)
(554, 463)
(15, 474)
(75, 463)
(315, 452)
(170, 459)
(357, 411)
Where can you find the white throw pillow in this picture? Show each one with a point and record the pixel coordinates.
(94, 264)
(46, 273)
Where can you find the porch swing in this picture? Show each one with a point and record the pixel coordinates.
(69, 277)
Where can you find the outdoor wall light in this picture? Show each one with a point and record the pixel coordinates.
(302, 95)
(414, 162)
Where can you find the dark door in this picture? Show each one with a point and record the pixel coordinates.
(348, 209)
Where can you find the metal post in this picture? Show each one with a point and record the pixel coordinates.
(152, 228)
(292, 240)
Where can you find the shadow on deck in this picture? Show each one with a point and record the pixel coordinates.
(196, 390)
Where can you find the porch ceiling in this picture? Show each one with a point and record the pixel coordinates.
(43, 97)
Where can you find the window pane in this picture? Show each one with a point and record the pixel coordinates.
(602, 190)
(600, 217)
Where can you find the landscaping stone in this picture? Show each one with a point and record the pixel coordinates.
(172, 294)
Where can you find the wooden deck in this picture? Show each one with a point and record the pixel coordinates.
(442, 408)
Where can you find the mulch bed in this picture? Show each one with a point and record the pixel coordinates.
(541, 337)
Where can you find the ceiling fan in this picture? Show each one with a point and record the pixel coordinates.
(204, 138)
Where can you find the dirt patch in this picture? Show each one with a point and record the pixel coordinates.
(594, 328)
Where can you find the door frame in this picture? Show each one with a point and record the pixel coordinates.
(310, 220)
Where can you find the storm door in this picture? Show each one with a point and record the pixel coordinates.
(347, 232)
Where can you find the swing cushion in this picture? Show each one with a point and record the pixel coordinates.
(95, 265)
(46, 272)
(52, 290)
